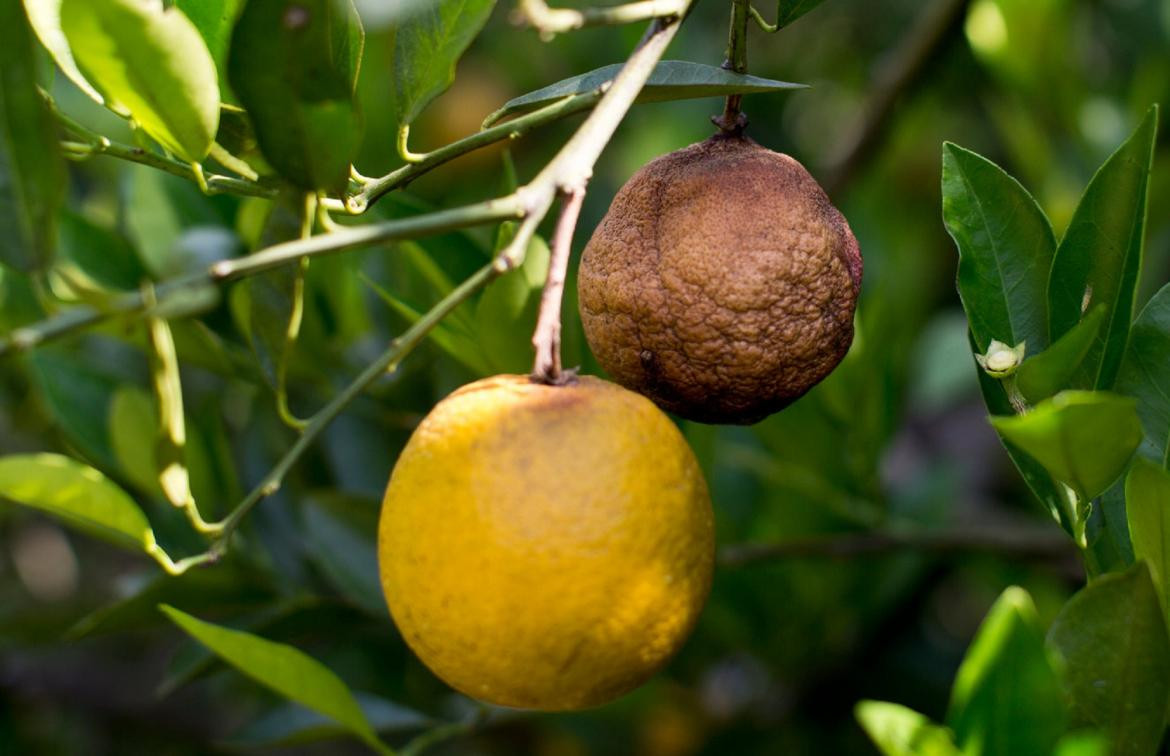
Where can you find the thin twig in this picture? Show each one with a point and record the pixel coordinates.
(732, 120)
(1030, 543)
(374, 189)
(547, 338)
(907, 64)
(550, 21)
(77, 318)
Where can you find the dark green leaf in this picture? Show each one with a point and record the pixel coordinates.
(284, 669)
(77, 494)
(670, 80)
(898, 731)
(77, 397)
(133, 427)
(1145, 374)
(344, 550)
(789, 10)
(45, 17)
(505, 315)
(1005, 249)
(427, 45)
(32, 173)
(1007, 698)
(150, 63)
(291, 725)
(1112, 637)
(103, 258)
(1051, 371)
(1083, 438)
(159, 212)
(294, 65)
(1099, 259)
(1147, 506)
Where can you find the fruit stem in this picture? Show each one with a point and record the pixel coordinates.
(732, 120)
(546, 340)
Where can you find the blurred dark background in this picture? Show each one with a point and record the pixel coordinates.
(895, 440)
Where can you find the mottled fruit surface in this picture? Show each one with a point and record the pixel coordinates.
(545, 547)
(721, 283)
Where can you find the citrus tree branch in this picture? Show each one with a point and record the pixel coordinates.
(549, 21)
(91, 143)
(547, 339)
(732, 120)
(77, 318)
(388, 360)
(374, 189)
(1027, 543)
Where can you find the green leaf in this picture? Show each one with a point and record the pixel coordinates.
(788, 11)
(670, 80)
(291, 725)
(1082, 744)
(133, 428)
(77, 494)
(152, 64)
(1050, 371)
(1084, 439)
(342, 545)
(294, 65)
(1145, 374)
(45, 18)
(1147, 507)
(1112, 637)
(1007, 698)
(32, 172)
(899, 731)
(427, 45)
(506, 313)
(214, 20)
(286, 670)
(1005, 249)
(102, 258)
(158, 211)
(77, 396)
(1099, 259)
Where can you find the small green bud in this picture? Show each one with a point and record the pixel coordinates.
(1001, 359)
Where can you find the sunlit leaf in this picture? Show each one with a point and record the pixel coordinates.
(1006, 697)
(899, 731)
(1100, 256)
(77, 494)
(151, 63)
(1083, 438)
(45, 17)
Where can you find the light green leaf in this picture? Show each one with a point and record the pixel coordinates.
(77, 494)
(1147, 508)
(506, 313)
(286, 670)
(1099, 259)
(1051, 371)
(133, 429)
(214, 20)
(294, 65)
(32, 172)
(427, 45)
(899, 731)
(1084, 439)
(1145, 374)
(670, 80)
(1005, 250)
(151, 63)
(1007, 698)
(45, 17)
(1112, 637)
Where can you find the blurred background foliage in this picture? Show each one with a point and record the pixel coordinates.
(895, 439)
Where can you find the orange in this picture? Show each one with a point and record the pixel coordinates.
(545, 547)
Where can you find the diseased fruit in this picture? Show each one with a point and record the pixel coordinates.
(721, 283)
(545, 547)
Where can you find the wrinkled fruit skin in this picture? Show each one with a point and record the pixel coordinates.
(721, 283)
(546, 547)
